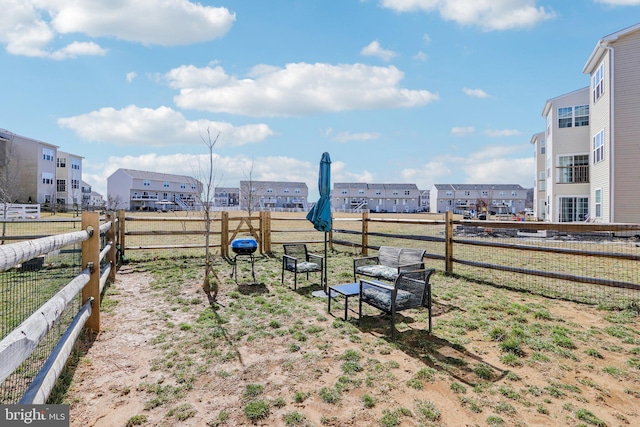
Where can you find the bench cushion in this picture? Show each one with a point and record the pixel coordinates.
(382, 299)
(378, 271)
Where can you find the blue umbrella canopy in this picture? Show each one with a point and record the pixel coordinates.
(320, 215)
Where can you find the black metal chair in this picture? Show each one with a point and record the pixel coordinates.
(411, 289)
(297, 259)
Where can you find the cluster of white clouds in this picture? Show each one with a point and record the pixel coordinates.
(64, 29)
(297, 89)
(32, 27)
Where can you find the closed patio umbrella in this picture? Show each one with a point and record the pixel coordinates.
(320, 215)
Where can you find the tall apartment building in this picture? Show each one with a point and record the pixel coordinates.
(592, 151)
(27, 168)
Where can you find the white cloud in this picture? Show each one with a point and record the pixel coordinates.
(460, 132)
(157, 127)
(374, 49)
(501, 171)
(502, 132)
(228, 170)
(420, 56)
(488, 15)
(131, 76)
(476, 93)
(31, 27)
(424, 177)
(295, 90)
(426, 38)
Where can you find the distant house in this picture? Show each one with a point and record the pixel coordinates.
(355, 196)
(458, 198)
(226, 197)
(145, 190)
(273, 195)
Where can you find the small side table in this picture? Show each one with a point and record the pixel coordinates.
(346, 290)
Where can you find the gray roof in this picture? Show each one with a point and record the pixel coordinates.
(275, 183)
(462, 187)
(375, 186)
(156, 176)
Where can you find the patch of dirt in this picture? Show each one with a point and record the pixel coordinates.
(110, 384)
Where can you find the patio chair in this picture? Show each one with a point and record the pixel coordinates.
(411, 289)
(297, 259)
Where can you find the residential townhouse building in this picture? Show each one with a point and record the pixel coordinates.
(592, 136)
(566, 164)
(356, 196)
(96, 201)
(614, 71)
(68, 179)
(86, 190)
(226, 197)
(28, 168)
(540, 181)
(131, 189)
(462, 198)
(273, 195)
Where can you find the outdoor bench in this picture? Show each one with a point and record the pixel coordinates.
(389, 263)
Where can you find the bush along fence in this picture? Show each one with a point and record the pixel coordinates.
(36, 344)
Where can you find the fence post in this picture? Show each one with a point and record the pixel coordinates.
(111, 238)
(121, 231)
(91, 260)
(224, 234)
(365, 233)
(448, 249)
(266, 232)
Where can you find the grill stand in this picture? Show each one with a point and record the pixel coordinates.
(234, 271)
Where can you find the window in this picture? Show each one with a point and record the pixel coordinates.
(75, 184)
(573, 209)
(467, 193)
(542, 146)
(269, 190)
(485, 194)
(146, 183)
(581, 115)
(360, 191)
(183, 185)
(598, 83)
(573, 116)
(598, 197)
(297, 190)
(573, 169)
(47, 178)
(47, 154)
(165, 184)
(344, 191)
(548, 167)
(395, 192)
(407, 192)
(193, 186)
(502, 194)
(514, 193)
(62, 162)
(449, 193)
(598, 147)
(548, 125)
(75, 164)
(565, 117)
(286, 190)
(542, 184)
(378, 192)
(61, 185)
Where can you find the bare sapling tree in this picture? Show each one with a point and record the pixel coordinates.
(210, 283)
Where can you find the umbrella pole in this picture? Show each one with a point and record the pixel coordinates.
(325, 262)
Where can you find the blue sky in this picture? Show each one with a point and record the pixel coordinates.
(416, 91)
